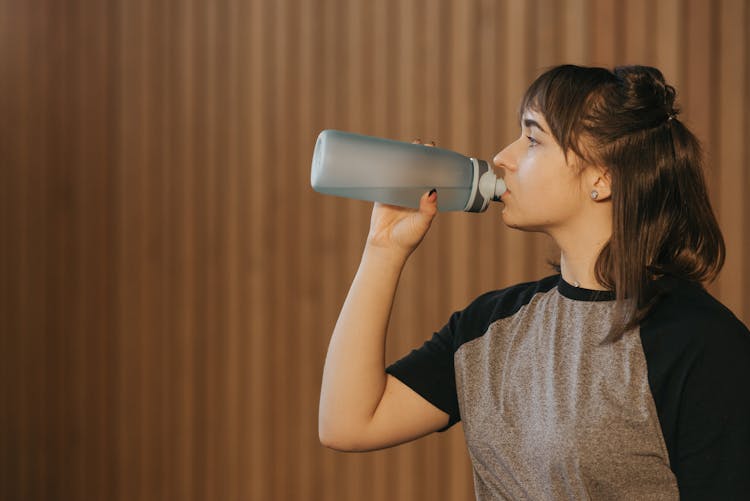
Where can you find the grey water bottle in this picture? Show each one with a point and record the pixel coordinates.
(398, 173)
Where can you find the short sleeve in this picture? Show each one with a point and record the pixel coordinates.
(429, 371)
(698, 356)
(712, 457)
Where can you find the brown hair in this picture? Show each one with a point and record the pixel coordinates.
(663, 223)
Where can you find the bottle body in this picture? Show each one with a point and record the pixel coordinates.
(398, 173)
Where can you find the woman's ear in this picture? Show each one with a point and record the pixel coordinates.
(600, 181)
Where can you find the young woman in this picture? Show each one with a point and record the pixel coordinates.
(618, 378)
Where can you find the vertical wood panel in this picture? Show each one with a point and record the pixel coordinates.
(745, 312)
(236, 322)
(309, 324)
(22, 321)
(635, 50)
(576, 46)
(169, 279)
(186, 252)
(604, 26)
(165, 69)
(50, 209)
(259, 204)
(281, 303)
(7, 369)
(732, 112)
(696, 94)
(669, 39)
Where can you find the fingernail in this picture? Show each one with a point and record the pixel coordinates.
(431, 192)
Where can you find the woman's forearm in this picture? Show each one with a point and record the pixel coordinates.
(354, 373)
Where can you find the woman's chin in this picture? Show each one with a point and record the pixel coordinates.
(514, 223)
(508, 219)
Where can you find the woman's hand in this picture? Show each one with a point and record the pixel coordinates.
(398, 229)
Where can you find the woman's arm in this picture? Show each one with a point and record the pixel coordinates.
(362, 408)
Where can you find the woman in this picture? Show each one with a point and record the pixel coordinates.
(618, 378)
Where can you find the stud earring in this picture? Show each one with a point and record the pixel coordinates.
(594, 194)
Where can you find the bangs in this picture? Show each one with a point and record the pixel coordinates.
(562, 95)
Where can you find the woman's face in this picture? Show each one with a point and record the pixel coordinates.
(545, 191)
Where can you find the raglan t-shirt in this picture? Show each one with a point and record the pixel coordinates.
(550, 411)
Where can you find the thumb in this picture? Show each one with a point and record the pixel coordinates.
(428, 203)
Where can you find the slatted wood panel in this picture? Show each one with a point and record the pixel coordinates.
(168, 280)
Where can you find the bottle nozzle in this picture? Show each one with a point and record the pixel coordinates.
(487, 187)
(500, 188)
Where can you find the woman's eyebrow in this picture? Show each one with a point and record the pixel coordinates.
(528, 122)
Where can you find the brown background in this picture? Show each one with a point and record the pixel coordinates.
(169, 281)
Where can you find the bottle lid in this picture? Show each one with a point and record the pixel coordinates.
(486, 186)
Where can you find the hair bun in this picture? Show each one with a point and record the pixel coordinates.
(645, 88)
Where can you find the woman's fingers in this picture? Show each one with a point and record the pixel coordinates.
(419, 141)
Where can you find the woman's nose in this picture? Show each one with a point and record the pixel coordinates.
(505, 159)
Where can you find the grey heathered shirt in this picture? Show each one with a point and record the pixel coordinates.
(549, 412)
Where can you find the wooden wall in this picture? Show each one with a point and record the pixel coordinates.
(169, 281)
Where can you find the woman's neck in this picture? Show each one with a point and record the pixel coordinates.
(579, 253)
(579, 271)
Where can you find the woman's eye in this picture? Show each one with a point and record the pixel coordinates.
(532, 141)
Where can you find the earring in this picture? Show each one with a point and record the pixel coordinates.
(594, 194)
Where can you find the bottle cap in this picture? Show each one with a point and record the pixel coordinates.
(486, 186)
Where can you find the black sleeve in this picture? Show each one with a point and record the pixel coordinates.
(429, 370)
(698, 357)
(712, 456)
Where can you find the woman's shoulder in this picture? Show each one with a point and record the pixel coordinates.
(510, 299)
(687, 314)
(476, 317)
(526, 288)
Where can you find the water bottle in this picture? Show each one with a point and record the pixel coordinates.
(398, 173)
